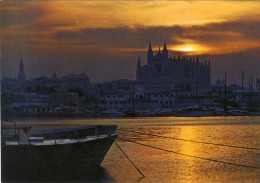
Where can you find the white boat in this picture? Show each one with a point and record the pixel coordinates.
(236, 112)
(56, 155)
(192, 112)
(220, 112)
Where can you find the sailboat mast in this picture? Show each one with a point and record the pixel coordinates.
(242, 86)
(225, 85)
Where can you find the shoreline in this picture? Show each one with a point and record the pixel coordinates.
(86, 116)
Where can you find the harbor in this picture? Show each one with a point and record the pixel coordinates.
(174, 149)
(130, 91)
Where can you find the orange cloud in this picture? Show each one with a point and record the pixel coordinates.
(104, 14)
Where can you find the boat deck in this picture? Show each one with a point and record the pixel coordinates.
(41, 141)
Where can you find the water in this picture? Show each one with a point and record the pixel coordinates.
(161, 166)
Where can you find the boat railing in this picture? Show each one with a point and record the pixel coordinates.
(14, 134)
(23, 135)
(77, 133)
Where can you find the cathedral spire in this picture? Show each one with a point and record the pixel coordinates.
(21, 73)
(150, 47)
(149, 53)
(165, 51)
(138, 65)
(164, 45)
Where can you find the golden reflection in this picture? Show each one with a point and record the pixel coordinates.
(189, 164)
(187, 133)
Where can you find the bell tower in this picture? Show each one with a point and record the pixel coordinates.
(21, 73)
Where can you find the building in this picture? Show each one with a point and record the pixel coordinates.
(77, 82)
(180, 73)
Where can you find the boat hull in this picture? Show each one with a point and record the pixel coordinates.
(193, 113)
(54, 162)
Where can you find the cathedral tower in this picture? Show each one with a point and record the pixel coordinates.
(149, 53)
(21, 73)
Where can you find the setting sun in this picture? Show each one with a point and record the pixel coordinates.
(187, 49)
(190, 48)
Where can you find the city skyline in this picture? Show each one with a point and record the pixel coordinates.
(104, 39)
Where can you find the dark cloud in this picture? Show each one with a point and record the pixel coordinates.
(19, 13)
(223, 31)
(67, 34)
(123, 36)
(141, 36)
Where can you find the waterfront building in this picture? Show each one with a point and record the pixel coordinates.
(24, 102)
(66, 99)
(11, 85)
(45, 85)
(44, 95)
(40, 104)
(77, 81)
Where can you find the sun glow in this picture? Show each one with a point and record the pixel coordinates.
(190, 48)
(187, 49)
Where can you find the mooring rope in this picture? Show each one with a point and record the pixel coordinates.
(129, 159)
(194, 141)
(192, 156)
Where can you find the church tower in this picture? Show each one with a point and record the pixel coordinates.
(149, 53)
(165, 51)
(21, 73)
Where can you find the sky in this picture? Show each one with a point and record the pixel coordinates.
(104, 38)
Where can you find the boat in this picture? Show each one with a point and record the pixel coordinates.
(220, 112)
(54, 155)
(232, 111)
(237, 112)
(193, 111)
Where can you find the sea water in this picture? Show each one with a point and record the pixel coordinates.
(184, 156)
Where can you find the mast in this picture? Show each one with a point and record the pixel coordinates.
(225, 96)
(197, 89)
(249, 88)
(242, 86)
(225, 85)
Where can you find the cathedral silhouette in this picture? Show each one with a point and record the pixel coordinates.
(185, 72)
